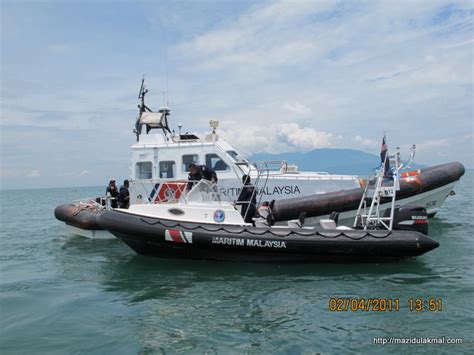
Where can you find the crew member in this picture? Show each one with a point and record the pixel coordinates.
(124, 195)
(198, 172)
(113, 192)
(247, 199)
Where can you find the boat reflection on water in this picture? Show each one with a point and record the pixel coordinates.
(140, 278)
(196, 305)
(173, 305)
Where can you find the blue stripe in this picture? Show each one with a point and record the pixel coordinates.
(153, 192)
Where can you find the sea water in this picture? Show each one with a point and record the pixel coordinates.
(65, 294)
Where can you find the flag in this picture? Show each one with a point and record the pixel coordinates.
(383, 150)
(385, 161)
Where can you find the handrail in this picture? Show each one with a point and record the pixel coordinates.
(260, 171)
(375, 191)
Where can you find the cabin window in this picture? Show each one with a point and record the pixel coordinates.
(215, 162)
(167, 169)
(188, 159)
(233, 154)
(144, 170)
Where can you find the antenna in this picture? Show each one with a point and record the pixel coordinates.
(163, 28)
(141, 96)
(141, 108)
(142, 90)
(166, 71)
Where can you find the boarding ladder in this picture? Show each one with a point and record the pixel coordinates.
(369, 216)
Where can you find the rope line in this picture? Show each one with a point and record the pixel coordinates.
(352, 234)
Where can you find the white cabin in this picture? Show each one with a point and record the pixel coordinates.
(159, 170)
(159, 165)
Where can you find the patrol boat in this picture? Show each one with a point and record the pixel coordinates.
(203, 226)
(159, 164)
(159, 171)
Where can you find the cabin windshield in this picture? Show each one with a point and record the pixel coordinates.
(203, 191)
(240, 160)
(233, 154)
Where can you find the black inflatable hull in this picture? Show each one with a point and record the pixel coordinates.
(166, 238)
(347, 200)
(82, 218)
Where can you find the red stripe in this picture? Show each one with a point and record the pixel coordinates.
(177, 239)
(176, 235)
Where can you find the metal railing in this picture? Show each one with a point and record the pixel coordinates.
(379, 188)
(176, 190)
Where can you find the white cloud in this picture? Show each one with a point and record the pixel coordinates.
(280, 75)
(247, 31)
(75, 110)
(443, 150)
(460, 44)
(297, 108)
(365, 143)
(277, 138)
(300, 32)
(361, 68)
(264, 36)
(445, 143)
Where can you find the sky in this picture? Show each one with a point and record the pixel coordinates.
(280, 76)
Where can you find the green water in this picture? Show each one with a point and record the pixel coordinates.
(64, 294)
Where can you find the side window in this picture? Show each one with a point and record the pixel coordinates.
(167, 169)
(143, 170)
(215, 162)
(187, 159)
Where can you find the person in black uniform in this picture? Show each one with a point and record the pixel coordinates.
(124, 195)
(248, 199)
(198, 172)
(113, 191)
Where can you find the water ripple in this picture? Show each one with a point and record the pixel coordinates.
(62, 294)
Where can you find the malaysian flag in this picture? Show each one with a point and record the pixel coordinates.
(384, 159)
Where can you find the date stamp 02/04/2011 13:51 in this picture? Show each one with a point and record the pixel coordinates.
(417, 304)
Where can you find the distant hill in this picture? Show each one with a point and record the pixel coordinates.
(336, 161)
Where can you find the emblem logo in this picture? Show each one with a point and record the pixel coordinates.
(219, 216)
(170, 194)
